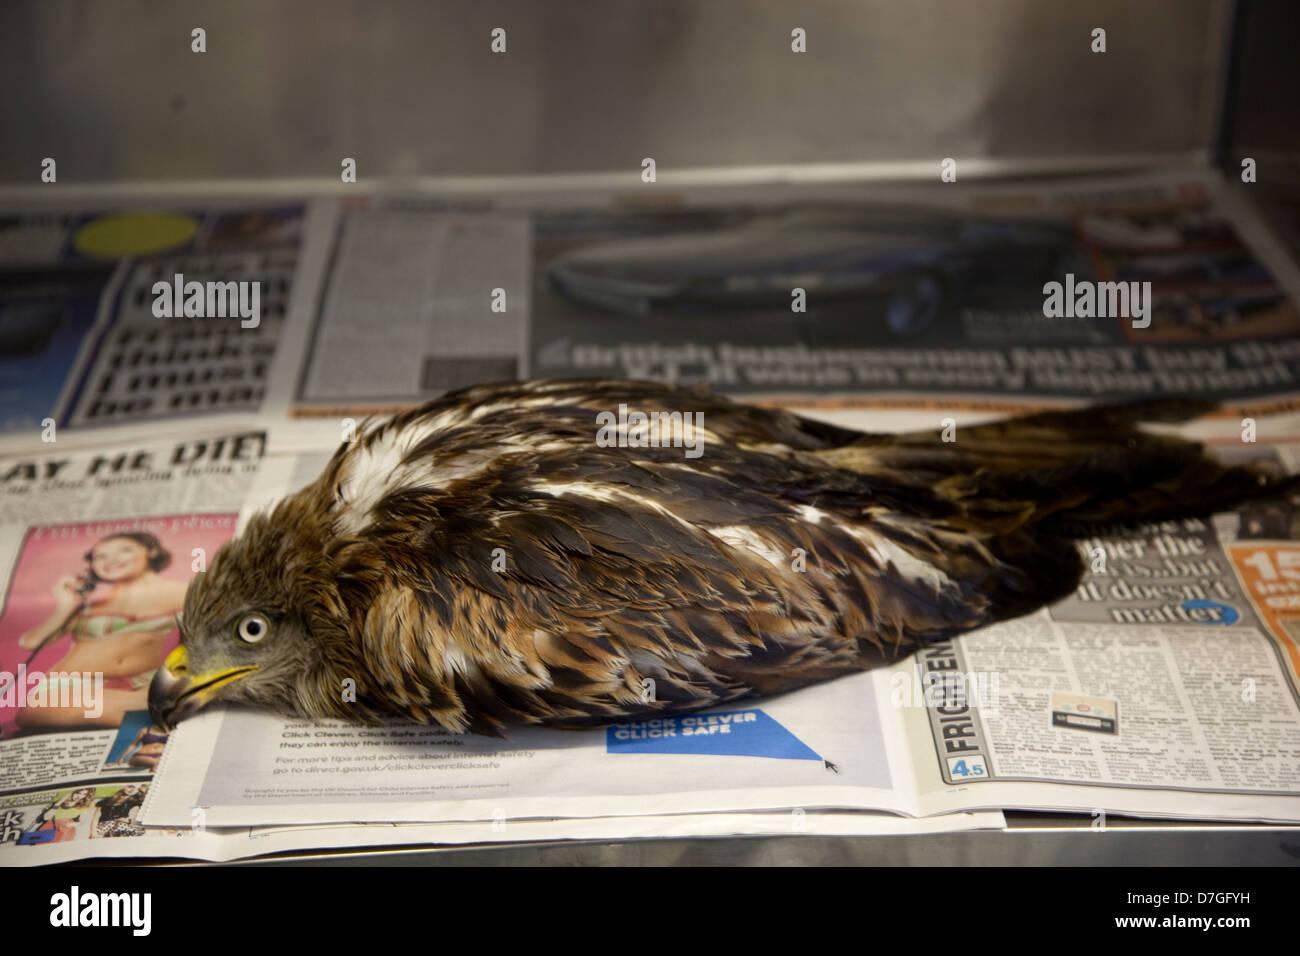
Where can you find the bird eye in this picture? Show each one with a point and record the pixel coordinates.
(252, 628)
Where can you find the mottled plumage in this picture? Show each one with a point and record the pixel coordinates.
(483, 561)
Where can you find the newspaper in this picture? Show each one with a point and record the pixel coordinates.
(846, 295)
(130, 429)
(843, 295)
(97, 544)
(81, 341)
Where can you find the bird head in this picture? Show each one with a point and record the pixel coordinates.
(262, 626)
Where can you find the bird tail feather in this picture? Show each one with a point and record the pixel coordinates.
(1067, 471)
(1023, 488)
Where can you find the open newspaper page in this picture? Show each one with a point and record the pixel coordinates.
(97, 546)
(1166, 685)
(127, 315)
(983, 297)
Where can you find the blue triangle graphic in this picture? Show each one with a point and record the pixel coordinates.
(736, 733)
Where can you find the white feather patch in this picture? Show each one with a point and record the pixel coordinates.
(594, 490)
(740, 538)
(810, 514)
(372, 471)
(886, 552)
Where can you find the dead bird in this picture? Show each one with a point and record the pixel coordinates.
(549, 552)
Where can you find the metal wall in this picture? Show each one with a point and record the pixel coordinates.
(113, 92)
(1264, 121)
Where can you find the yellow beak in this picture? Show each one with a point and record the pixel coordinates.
(175, 693)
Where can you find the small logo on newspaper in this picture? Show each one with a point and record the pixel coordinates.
(208, 300)
(102, 909)
(738, 733)
(1085, 713)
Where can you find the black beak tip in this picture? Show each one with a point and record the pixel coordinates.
(165, 693)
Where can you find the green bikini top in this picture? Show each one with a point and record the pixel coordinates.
(111, 625)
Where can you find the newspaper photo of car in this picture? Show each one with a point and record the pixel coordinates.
(906, 265)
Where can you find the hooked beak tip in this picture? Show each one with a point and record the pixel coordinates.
(175, 693)
(170, 683)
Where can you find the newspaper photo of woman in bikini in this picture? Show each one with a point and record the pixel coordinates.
(118, 612)
(90, 612)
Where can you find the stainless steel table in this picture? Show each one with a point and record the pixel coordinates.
(1031, 839)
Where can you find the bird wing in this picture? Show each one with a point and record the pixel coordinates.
(504, 567)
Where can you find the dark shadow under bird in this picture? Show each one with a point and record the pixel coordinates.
(485, 560)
